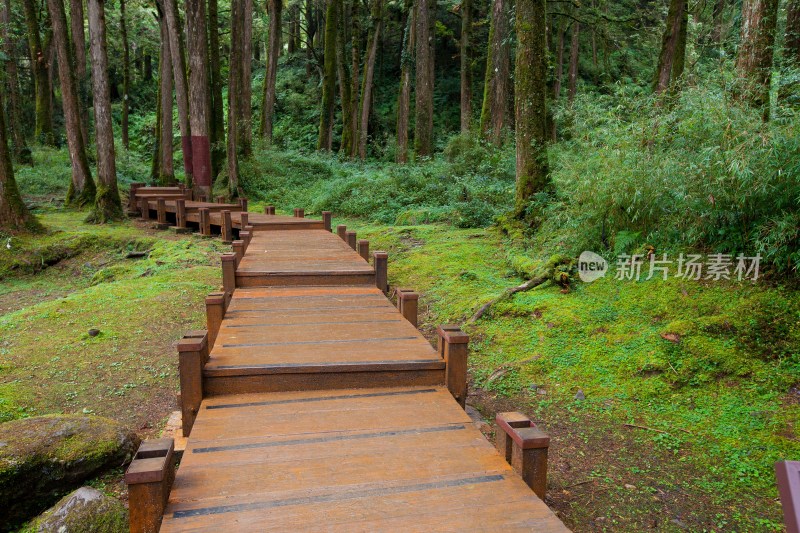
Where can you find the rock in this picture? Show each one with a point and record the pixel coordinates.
(541, 392)
(43, 457)
(86, 509)
(94, 332)
(477, 418)
(580, 395)
(629, 486)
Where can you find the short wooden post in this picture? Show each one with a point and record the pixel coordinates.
(243, 204)
(788, 475)
(202, 198)
(341, 231)
(363, 249)
(300, 212)
(271, 210)
(161, 213)
(133, 206)
(227, 227)
(180, 213)
(238, 251)
(215, 312)
(228, 273)
(248, 236)
(191, 360)
(149, 478)
(187, 195)
(244, 220)
(529, 457)
(266, 209)
(506, 422)
(220, 199)
(244, 236)
(326, 219)
(205, 222)
(454, 350)
(144, 208)
(351, 239)
(407, 303)
(380, 262)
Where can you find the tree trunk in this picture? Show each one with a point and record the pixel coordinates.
(20, 150)
(40, 70)
(530, 87)
(346, 84)
(235, 94)
(356, 39)
(754, 59)
(792, 46)
(673, 45)
(498, 68)
(325, 141)
(273, 49)
(199, 98)
(216, 106)
(245, 140)
(126, 73)
(107, 203)
(13, 213)
(573, 62)
(311, 30)
(466, 65)
(423, 115)
(166, 175)
(82, 189)
(559, 76)
(79, 58)
(716, 22)
(178, 61)
(373, 39)
(406, 71)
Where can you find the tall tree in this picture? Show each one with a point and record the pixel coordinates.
(273, 50)
(176, 50)
(716, 22)
(373, 40)
(13, 213)
(82, 189)
(573, 61)
(40, 69)
(673, 47)
(466, 65)
(107, 205)
(792, 45)
(165, 161)
(346, 86)
(126, 72)
(199, 97)
(530, 90)
(21, 152)
(423, 112)
(498, 74)
(559, 74)
(406, 71)
(245, 121)
(77, 18)
(216, 104)
(235, 102)
(325, 140)
(756, 48)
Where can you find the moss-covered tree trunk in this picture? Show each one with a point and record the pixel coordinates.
(325, 139)
(176, 49)
(19, 147)
(107, 205)
(199, 96)
(466, 65)
(346, 85)
(497, 79)
(574, 55)
(673, 47)
(13, 213)
(82, 190)
(273, 51)
(792, 45)
(716, 22)
(406, 71)
(126, 74)
(166, 175)
(245, 118)
(423, 111)
(216, 105)
(40, 70)
(235, 95)
(530, 90)
(373, 41)
(756, 48)
(76, 17)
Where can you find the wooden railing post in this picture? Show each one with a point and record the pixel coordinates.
(215, 312)
(238, 251)
(326, 219)
(144, 208)
(243, 204)
(270, 210)
(380, 262)
(341, 231)
(133, 205)
(528, 449)
(180, 213)
(407, 303)
(202, 198)
(248, 236)
(244, 220)
(503, 440)
(788, 476)
(205, 222)
(161, 213)
(363, 249)
(191, 359)
(351, 239)
(228, 273)
(149, 478)
(220, 199)
(454, 345)
(227, 227)
(299, 213)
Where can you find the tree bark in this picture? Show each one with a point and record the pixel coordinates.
(498, 68)
(530, 89)
(13, 213)
(573, 62)
(107, 204)
(126, 73)
(325, 141)
(346, 87)
(673, 47)
(245, 119)
(199, 97)
(273, 49)
(423, 116)
(559, 75)
(754, 59)
(82, 189)
(356, 39)
(178, 61)
(792, 46)
(406, 71)
(235, 94)
(79, 58)
(716, 22)
(166, 174)
(19, 147)
(466, 65)
(373, 39)
(216, 107)
(40, 69)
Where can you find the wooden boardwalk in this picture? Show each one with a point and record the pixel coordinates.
(313, 403)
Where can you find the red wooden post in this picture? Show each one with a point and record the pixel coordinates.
(244, 220)
(380, 261)
(505, 423)
(220, 199)
(180, 213)
(245, 238)
(243, 204)
(788, 476)
(238, 250)
(351, 239)
(248, 236)
(149, 478)
(363, 249)
(191, 360)
(227, 227)
(407, 302)
(187, 195)
(455, 351)
(205, 222)
(161, 213)
(299, 212)
(144, 208)
(271, 210)
(228, 273)
(341, 231)
(529, 457)
(202, 198)
(215, 312)
(133, 205)
(326, 220)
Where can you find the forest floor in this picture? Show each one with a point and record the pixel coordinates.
(675, 433)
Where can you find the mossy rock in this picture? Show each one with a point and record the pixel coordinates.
(43, 457)
(82, 511)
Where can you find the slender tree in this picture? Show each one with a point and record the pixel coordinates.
(406, 71)
(126, 73)
(40, 68)
(423, 112)
(245, 122)
(235, 102)
(716, 22)
(21, 152)
(466, 65)
(107, 205)
(559, 74)
(792, 44)
(756, 48)
(199, 97)
(13, 213)
(82, 189)
(273, 49)
(530, 90)
(216, 104)
(373, 40)
(176, 49)
(573, 61)
(77, 20)
(673, 47)
(325, 140)
(166, 166)
(346, 87)
(498, 74)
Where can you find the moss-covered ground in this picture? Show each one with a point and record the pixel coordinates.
(691, 389)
